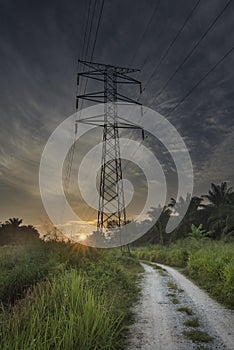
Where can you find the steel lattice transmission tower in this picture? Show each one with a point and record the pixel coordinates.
(111, 210)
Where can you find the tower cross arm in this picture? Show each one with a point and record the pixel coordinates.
(102, 67)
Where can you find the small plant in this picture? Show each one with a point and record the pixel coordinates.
(198, 336)
(198, 233)
(192, 323)
(175, 300)
(172, 285)
(186, 310)
(163, 273)
(173, 297)
(157, 267)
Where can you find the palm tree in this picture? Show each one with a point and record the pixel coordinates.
(221, 221)
(189, 217)
(14, 222)
(219, 194)
(220, 210)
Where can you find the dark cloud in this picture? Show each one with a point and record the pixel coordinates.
(40, 42)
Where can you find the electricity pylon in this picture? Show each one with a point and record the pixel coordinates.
(111, 211)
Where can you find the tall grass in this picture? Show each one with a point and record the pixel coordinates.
(174, 255)
(209, 263)
(213, 267)
(63, 313)
(22, 266)
(61, 296)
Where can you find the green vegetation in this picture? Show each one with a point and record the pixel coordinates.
(213, 268)
(174, 254)
(173, 296)
(175, 300)
(203, 243)
(198, 336)
(194, 322)
(172, 285)
(186, 310)
(57, 295)
(63, 296)
(209, 263)
(209, 216)
(13, 232)
(64, 313)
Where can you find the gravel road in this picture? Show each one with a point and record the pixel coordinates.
(160, 326)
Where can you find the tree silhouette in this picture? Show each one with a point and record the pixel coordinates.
(191, 216)
(14, 222)
(220, 194)
(220, 210)
(12, 232)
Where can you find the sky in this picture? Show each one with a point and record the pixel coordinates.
(40, 44)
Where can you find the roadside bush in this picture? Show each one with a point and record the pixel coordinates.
(213, 268)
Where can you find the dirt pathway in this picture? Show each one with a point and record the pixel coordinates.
(160, 326)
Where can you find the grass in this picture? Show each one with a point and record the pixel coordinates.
(173, 298)
(172, 285)
(198, 336)
(64, 313)
(213, 269)
(157, 267)
(161, 270)
(208, 263)
(23, 266)
(186, 310)
(66, 297)
(194, 322)
(162, 273)
(175, 301)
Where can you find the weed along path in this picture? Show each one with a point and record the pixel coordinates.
(174, 314)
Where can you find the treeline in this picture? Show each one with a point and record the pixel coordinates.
(13, 232)
(208, 216)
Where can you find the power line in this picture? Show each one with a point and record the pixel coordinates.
(169, 47)
(155, 11)
(88, 43)
(92, 54)
(84, 54)
(97, 29)
(189, 93)
(94, 44)
(86, 28)
(84, 40)
(201, 80)
(90, 30)
(193, 49)
(71, 151)
(145, 31)
(172, 42)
